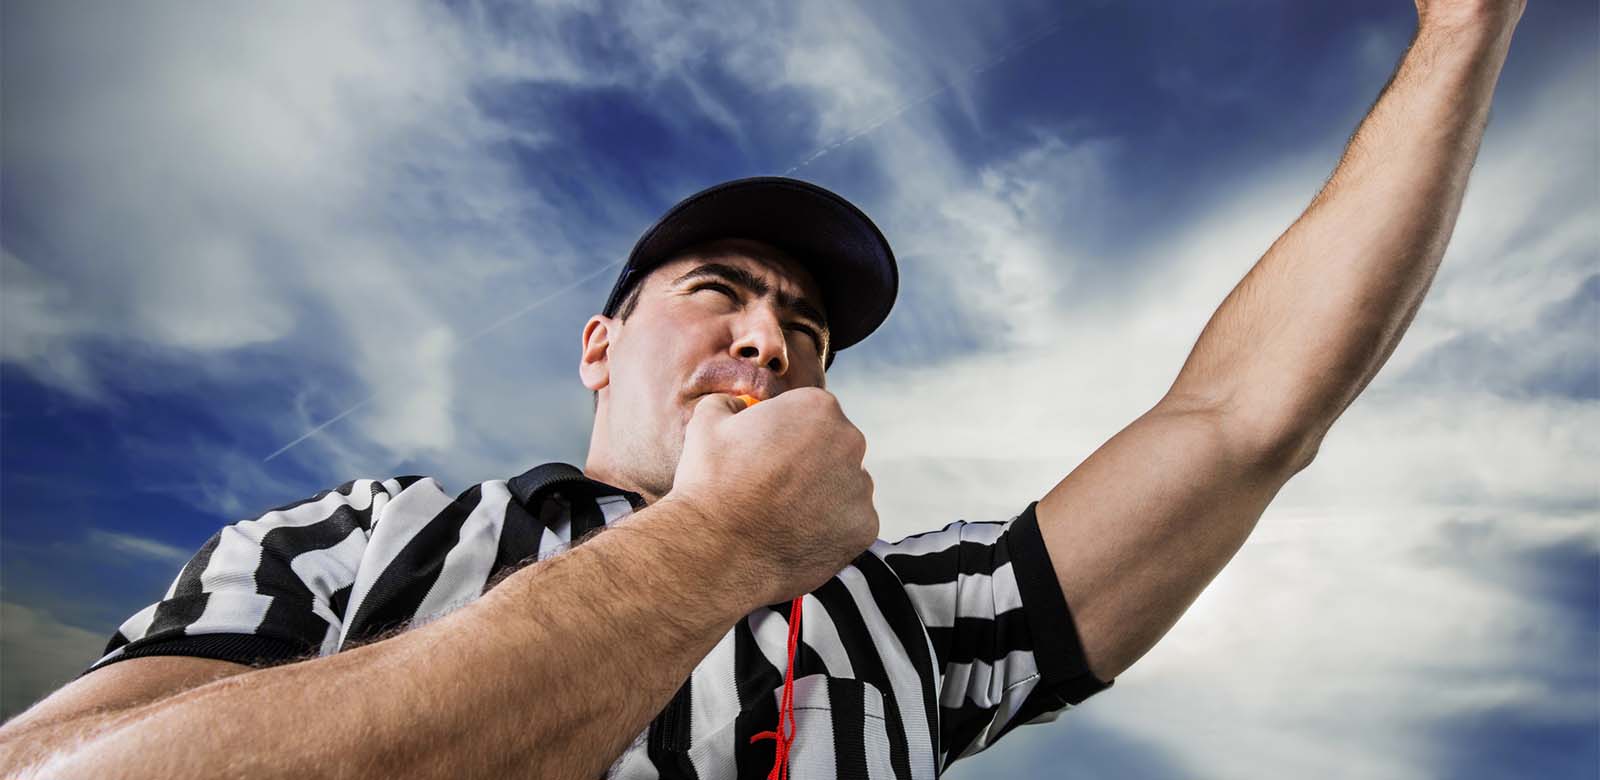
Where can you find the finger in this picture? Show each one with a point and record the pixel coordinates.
(716, 406)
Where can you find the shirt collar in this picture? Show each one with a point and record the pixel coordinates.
(540, 479)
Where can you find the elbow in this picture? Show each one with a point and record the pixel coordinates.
(1289, 454)
(1282, 445)
(1273, 441)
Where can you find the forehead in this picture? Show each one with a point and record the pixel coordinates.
(778, 268)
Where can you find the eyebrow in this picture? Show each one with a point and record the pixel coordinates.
(743, 278)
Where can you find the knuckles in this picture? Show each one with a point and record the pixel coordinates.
(825, 473)
(858, 442)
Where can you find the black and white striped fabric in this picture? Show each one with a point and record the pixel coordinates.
(920, 652)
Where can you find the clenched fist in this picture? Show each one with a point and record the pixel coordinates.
(781, 484)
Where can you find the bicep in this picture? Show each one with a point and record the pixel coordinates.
(1138, 529)
(122, 686)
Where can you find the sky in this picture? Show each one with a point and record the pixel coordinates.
(227, 226)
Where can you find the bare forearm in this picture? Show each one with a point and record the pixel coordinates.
(550, 674)
(1300, 337)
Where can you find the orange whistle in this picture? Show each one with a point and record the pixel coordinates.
(749, 400)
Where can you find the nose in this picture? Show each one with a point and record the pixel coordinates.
(759, 340)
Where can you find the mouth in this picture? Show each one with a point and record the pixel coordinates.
(759, 395)
(735, 379)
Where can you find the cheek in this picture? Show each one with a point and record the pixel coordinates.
(661, 358)
(689, 338)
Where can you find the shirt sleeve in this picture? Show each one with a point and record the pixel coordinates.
(265, 590)
(1003, 636)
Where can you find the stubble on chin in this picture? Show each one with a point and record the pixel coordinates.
(668, 451)
(651, 463)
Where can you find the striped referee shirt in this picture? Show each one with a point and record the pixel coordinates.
(918, 653)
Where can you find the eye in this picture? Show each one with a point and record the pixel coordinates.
(816, 338)
(719, 287)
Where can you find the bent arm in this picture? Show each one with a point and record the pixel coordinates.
(1138, 530)
(550, 674)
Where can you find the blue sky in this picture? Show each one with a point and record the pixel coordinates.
(225, 226)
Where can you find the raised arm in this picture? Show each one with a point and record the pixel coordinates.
(1145, 523)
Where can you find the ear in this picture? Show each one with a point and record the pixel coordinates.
(592, 364)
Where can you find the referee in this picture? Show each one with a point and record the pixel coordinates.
(706, 596)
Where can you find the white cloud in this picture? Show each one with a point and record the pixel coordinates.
(314, 181)
(40, 328)
(128, 544)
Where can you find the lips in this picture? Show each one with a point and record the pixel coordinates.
(735, 378)
(738, 392)
(755, 396)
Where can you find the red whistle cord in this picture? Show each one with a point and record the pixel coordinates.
(784, 736)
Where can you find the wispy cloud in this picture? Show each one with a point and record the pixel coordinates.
(128, 544)
(43, 330)
(340, 205)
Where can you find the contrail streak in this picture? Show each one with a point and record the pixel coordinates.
(492, 327)
(1004, 54)
(316, 430)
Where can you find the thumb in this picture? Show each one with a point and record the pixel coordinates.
(714, 407)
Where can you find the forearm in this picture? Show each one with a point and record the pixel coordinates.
(1310, 325)
(550, 674)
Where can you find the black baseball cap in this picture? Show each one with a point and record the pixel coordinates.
(844, 251)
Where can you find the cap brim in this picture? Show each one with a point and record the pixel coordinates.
(844, 251)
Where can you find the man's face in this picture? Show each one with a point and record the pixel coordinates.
(734, 316)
